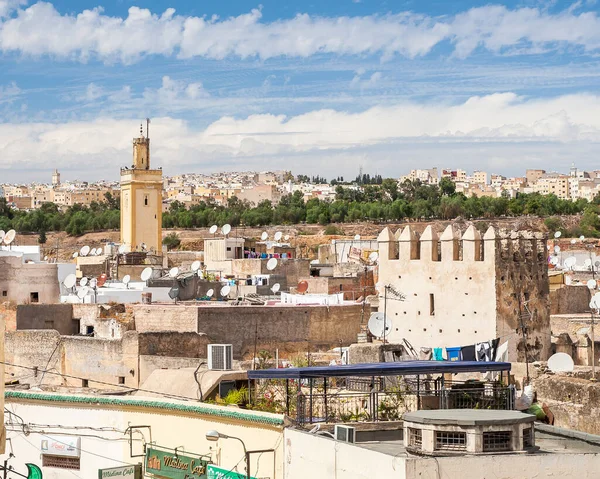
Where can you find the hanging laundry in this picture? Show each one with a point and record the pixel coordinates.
(483, 351)
(467, 353)
(438, 354)
(425, 354)
(494, 344)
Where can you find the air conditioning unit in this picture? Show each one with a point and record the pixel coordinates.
(220, 357)
(344, 433)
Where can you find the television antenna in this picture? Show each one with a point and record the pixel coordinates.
(278, 236)
(146, 274)
(84, 251)
(272, 264)
(213, 229)
(225, 290)
(9, 237)
(126, 280)
(173, 272)
(276, 288)
(226, 229)
(264, 236)
(195, 266)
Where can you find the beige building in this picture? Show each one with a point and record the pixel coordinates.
(461, 289)
(553, 184)
(27, 282)
(532, 176)
(259, 193)
(55, 178)
(480, 178)
(141, 200)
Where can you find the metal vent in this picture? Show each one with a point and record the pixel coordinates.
(497, 441)
(61, 462)
(220, 357)
(450, 441)
(528, 438)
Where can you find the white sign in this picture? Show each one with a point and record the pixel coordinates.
(62, 446)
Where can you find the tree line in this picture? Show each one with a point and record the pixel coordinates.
(384, 202)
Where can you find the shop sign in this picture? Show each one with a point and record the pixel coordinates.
(124, 472)
(215, 472)
(169, 465)
(63, 446)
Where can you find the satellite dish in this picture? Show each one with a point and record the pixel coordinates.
(554, 261)
(121, 249)
(83, 281)
(173, 272)
(75, 255)
(70, 281)
(314, 261)
(264, 236)
(597, 264)
(9, 237)
(101, 280)
(210, 292)
(213, 229)
(99, 251)
(286, 237)
(126, 279)
(93, 252)
(570, 262)
(272, 264)
(591, 284)
(93, 283)
(225, 290)
(557, 249)
(278, 236)
(356, 237)
(226, 229)
(2, 234)
(143, 246)
(196, 265)
(557, 234)
(146, 274)
(573, 241)
(581, 238)
(276, 288)
(588, 262)
(378, 326)
(302, 287)
(82, 292)
(373, 257)
(560, 363)
(84, 251)
(174, 293)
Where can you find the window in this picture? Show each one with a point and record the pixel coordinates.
(497, 441)
(5, 293)
(415, 437)
(89, 330)
(121, 379)
(34, 297)
(61, 462)
(431, 304)
(145, 200)
(450, 441)
(85, 383)
(49, 324)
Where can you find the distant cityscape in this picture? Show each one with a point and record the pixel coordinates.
(254, 187)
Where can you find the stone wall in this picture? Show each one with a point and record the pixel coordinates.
(47, 316)
(22, 283)
(176, 317)
(570, 300)
(32, 349)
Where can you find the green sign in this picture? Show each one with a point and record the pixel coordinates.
(174, 466)
(215, 472)
(124, 472)
(33, 472)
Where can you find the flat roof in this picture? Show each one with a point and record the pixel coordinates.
(401, 368)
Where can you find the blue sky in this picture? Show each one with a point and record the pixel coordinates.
(316, 87)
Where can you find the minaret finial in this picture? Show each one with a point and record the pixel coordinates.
(141, 130)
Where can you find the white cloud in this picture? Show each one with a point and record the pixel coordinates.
(371, 82)
(392, 139)
(41, 30)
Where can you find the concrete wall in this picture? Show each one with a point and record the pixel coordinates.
(47, 316)
(19, 280)
(33, 349)
(180, 317)
(101, 426)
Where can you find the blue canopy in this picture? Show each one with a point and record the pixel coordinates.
(401, 368)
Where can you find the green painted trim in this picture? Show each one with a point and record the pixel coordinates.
(222, 412)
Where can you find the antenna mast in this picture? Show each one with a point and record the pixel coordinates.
(147, 127)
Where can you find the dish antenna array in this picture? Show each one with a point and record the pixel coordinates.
(379, 326)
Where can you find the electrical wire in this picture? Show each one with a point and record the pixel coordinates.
(122, 386)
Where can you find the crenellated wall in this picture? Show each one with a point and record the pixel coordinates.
(461, 288)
